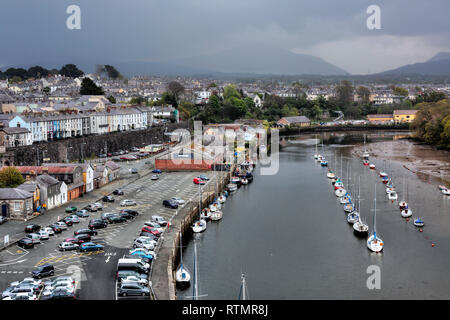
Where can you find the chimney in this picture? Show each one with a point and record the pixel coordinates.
(45, 170)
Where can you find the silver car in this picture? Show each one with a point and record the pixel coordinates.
(33, 237)
(126, 203)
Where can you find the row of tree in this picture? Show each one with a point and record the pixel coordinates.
(432, 123)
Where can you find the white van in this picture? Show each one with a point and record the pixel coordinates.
(159, 220)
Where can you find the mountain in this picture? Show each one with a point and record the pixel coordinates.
(262, 59)
(438, 65)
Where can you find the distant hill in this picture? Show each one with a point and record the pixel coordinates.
(438, 65)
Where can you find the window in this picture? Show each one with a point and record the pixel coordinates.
(16, 205)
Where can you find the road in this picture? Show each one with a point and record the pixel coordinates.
(95, 271)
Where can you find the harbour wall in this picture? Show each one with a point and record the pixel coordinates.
(164, 266)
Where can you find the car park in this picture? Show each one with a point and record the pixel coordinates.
(71, 209)
(133, 289)
(90, 246)
(108, 199)
(32, 228)
(85, 231)
(43, 271)
(118, 192)
(97, 224)
(160, 220)
(20, 291)
(25, 243)
(82, 213)
(33, 237)
(66, 246)
(127, 202)
(170, 204)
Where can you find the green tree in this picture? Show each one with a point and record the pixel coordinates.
(112, 99)
(344, 94)
(37, 72)
(10, 177)
(176, 89)
(230, 91)
(71, 70)
(398, 91)
(363, 94)
(46, 90)
(88, 87)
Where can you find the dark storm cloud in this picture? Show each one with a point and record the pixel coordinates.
(35, 30)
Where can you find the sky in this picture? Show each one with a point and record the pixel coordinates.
(33, 31)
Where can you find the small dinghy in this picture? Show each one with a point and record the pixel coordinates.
(374, 243)
(232, 187)
(392, 195)
(236, 180)
(331, 175)
(353, 217)
(372, 166)
(345, 199)
(406, 213)
(366, 162)
(403, 205)
(324, 163)
(244, 181)
(446, 191)
(213, 207)
(217, 215)
(418, 222)
(385, 180)
(206, 214)
(340, 192)
(360, 229)
(442, 187)
(383, 174)
(222, 199)
(389, 190)
(349, 207)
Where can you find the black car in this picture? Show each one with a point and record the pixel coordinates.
(108, 199)
(43, 271)
(116, 219)
(85, 231)
(84, 237)
(32, 228)
(126, 215)
(118, 192)
(97, 224)
(67, 221)
(130, 211)
(170, 204)
(56, 228)
(25, 243)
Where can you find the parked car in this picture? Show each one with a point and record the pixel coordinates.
(56, 228)
(91, 208)
(25, 243)
(3, 219)
(97, 224)
(203, 177)
(43, 235)
(126, 216)
(146, 256)
(67, 221)
(151, 230)
(43, 271)
(126, 203)
(65, 246)
(102, 155)
(135, 279)
(85, 231)
(105, 216)
(60, 294)
(154, 177)
(130, 211)
(143, 242)
(154, 225)
(71, 209)
(199, 181)
(134, 149)
(74, 240)
(82, 213)
(62, 225)
(170, 204)
(156, 171)
(114, 218)
(133, 289)
(118, 192)
(98, 205)
(108, 199)
(60, 278)
(178, 200)
(160, 220)
(32, 228)
(134, 170)
(122, 274)
(74, 218)
(34, 237)
(90, 246)
(49, 230)
(84, 237)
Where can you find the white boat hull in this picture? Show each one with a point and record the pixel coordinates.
(353, 217)
(215, 216)
(340, 192)
(360, 228)
(199, 226)
(183, 278)
(406, 213)
(375, 245)
(392, 196)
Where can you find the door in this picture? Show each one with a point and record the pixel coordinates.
(4, 210)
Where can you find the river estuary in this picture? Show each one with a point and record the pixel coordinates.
(288, 232)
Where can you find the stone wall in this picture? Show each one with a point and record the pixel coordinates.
(73, 149)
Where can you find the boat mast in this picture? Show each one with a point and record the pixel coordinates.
(181, 252)
(243, 289)
(195, 287)
(375, 214)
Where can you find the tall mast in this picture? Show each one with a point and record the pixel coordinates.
(195, 287)
(243, 289)
(375, 214)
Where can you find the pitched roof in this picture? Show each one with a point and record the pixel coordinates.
(14, 193)
(46, 179)
(404, 112)
(297, 119)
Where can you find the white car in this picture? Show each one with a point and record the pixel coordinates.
(64, 246)
(134, 279)
(43, 234)
(61, 283)
(178, 200)
(98, 205)
(126, 203)
(24, 296)
(33, 237)
(49, 231)
(159, 220)
(28, 280)
(144, 242)
(60, 278)
(49, 291)
(62, 225)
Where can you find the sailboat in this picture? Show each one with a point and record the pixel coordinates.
(403, 204)
(195, 294)
(200, 225)
(353, 215)
(360, 228)
(317, 156)
(392, 195)
(243, 293)
(418, 222)
(182, 275)
(374, 243)
(323, 161)
(365, 154)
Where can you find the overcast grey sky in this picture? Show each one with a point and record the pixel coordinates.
(157, 30)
